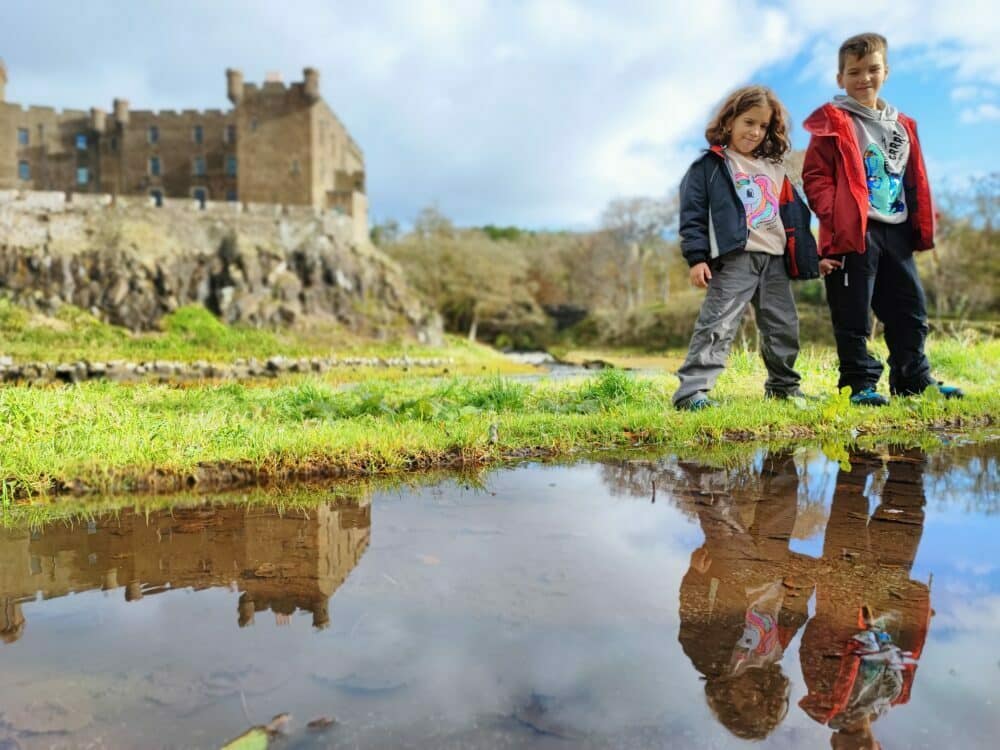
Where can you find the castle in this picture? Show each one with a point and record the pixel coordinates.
(279, 144)
(278, 559)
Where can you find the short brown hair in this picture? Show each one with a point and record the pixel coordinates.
(861, 45)
(775, 142)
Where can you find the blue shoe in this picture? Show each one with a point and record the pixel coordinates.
(950, 391)
(869, 397)
(696, 403)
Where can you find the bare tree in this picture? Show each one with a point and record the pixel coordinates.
(637, 226)
(430, 222)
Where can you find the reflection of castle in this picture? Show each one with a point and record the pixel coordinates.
(282, 562)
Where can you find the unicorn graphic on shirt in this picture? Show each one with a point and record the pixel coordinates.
(884, 187)
(759, 196)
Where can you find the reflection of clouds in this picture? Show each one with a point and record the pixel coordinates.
(980, 615)
(976, 568)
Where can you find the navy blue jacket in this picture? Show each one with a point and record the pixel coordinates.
(713, 220)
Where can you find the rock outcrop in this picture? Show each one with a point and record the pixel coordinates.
(129, 264)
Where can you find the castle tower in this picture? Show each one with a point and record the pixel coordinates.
(98, 119)
(3, 79)
(234, 85)
(310, 85)
(121, 112)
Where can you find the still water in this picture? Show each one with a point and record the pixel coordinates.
(629, 602)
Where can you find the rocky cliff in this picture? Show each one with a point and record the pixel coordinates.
(131, 263)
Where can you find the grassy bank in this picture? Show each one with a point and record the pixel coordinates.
(193, 334)
(100, 437)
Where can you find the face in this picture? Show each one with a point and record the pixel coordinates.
(749, 128)
(862, 77)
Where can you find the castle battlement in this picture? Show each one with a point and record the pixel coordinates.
(184, 114)
(45, 109)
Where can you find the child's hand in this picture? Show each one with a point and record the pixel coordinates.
(700, 275)
(828, 265)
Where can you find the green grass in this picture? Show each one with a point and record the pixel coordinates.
(101, 437)
(192, 333)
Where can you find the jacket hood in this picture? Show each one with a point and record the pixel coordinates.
(884, 112)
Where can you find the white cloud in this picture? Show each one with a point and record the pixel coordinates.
(966, 93)
(985, 112)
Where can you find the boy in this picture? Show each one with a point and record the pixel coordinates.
(865, 178)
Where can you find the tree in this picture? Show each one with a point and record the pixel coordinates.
(430, 222)
(636, 226)
(385, 233)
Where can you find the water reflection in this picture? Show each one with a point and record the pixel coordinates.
(539, 609)
(280, 562)
(746, 592)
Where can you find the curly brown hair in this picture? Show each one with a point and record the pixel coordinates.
(775, 142)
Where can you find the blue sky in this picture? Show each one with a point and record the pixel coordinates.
(527, 112)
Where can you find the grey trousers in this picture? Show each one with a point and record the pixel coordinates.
(739, 278)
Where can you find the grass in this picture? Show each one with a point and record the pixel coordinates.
(193, 334)
(105, 437)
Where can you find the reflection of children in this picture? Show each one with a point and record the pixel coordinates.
(739, 216)
(737, 611)
(876, 624)
(11, 621)
(865, 177)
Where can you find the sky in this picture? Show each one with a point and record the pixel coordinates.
(534, 113)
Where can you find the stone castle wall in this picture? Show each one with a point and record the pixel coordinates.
(130, 262)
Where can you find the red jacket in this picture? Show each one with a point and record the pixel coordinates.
(834, 179)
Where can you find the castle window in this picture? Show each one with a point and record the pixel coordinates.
(229, 134)
(198, 166)
(81, 141)
(154, 166)
(230, 166)
(253, 124)
(198, 134)
(153, 134)
(114, 143)
(82, 175)
(22, 136)
(24, 170)
(295, 167)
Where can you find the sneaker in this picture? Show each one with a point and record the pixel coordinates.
(869, 397)
(786, 395)
(950, 391)
(696, 403)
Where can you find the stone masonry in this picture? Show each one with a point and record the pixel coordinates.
(129, 263)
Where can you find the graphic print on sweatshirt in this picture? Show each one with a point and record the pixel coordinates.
(760, 198)
(884, 187)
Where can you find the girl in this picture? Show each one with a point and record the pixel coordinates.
(744, 232)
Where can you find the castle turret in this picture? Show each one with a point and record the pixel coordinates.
(121, 112)
(234, 85)
(3, 79)
(310, 86)
(98, 119)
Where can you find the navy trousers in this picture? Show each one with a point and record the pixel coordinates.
(883, 279)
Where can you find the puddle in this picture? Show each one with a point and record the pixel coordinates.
(631, 603)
